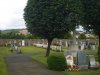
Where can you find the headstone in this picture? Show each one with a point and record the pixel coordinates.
(44, 46)
(58, 48)
(81, 60)
(66, 44)
(69, 58)
(82, 47)
(93, 47)
(23, 42)
(60, 42)
(92, 62)
(14, 41)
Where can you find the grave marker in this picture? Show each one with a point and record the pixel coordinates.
(92, 62)
(81, 60)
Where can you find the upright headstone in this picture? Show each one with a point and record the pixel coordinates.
(82, 47)
(66, 44)
(69, 58)
(23, 42)
(92, 62)
(81, 60)
(93, 47)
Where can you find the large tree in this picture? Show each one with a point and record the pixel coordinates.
(91, 17)
(51, 18)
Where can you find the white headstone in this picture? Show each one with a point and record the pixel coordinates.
(92, 61)
(23, 42)
(66, 44)
(69, 60)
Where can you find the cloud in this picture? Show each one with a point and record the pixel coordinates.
(11, 14)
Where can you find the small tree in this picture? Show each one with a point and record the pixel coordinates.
(91, 17)
(51, 18)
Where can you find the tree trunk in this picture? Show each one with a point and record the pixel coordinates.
(99, 49)
(48, 48)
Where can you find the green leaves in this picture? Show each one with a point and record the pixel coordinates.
(51, 18)
(91, 16)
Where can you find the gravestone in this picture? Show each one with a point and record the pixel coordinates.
(58, 48)
(93, 47)
(82, 47)
(66, 44)
(92, 62)
(69, 58)
(23, 42)
(81, 60)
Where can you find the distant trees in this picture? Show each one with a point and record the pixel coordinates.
(15, 35)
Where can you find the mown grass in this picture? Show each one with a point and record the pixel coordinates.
(3, 67)
(31, 49)
(43, 60)
(88, 72)
(38, 54)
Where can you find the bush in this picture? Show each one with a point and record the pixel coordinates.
(57, 62)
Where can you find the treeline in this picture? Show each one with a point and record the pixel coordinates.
(15, 35)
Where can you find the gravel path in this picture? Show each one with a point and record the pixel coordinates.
(24, 65)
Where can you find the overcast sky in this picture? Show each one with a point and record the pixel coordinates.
(11, 14)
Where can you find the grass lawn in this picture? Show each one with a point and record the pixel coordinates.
(38, 54)
(3, 69)
(43, 60)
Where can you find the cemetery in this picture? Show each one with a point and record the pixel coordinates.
(77, 60)
(50, 37)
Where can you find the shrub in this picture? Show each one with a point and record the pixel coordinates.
(57, 62)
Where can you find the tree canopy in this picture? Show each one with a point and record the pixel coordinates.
(51, 18)
(91, 17)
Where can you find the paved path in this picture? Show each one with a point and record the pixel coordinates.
(24, 65)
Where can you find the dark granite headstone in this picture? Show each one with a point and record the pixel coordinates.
(81, 60)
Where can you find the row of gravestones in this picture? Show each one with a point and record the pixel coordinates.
(22, 42)
(53, 47)
(81, 60)
(83, 45)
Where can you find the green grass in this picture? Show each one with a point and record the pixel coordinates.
(3, 67)
(89, 72)
(31, 49)
(4, 50)
(3, 70)
(38, 54)
(41, 59)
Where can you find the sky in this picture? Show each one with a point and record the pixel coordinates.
(11, 14)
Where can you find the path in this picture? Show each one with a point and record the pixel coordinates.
(24, 65)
